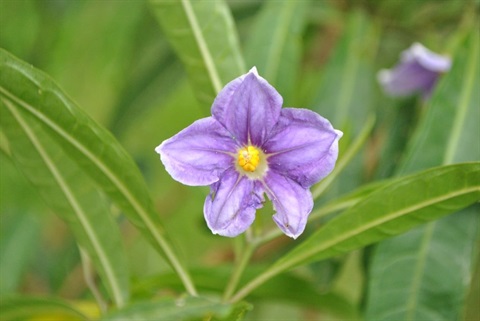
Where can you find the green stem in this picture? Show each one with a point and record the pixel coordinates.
(347, 157)
(320, 189)
(241, 264)
(255, 283)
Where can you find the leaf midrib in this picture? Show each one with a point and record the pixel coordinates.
(62, 184)
(470, 71)
(379, 221)
(140, 210)
(202, 45)
(467, 88)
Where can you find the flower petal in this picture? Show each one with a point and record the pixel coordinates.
(230, 208)
(248, 107)
(407, 78)
(427, 58)
(292, 203)
(418, 70)
(199, 154)
(303, 146)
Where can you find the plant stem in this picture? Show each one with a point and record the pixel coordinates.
(255, 283)
(239, 268)
(319, 190)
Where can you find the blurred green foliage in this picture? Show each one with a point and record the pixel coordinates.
(117, 63)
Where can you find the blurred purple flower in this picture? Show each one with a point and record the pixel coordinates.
(418, 71)
(251, 146)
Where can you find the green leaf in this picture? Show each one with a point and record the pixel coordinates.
(203, 34)
(70, 194)
(67, 50)
(171, 309)
(27, 308)
(408, 279)
(213, 279)
(19, 235)
(98, 153)
(389, 211)
(448, 133)
(345, 94)
(275, 44)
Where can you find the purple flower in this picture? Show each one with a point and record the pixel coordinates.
(251, 146)
(418, 71)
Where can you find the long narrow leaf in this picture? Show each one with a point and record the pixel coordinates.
(344, 96)
(203, 35)
(432, 263)
(276, 42)
(71, 195)
(19, 235)
(34, 308)
(411, 201)
(189, 308)
(90, 145)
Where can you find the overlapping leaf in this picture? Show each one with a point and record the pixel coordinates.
(93, 148)
(417, 270)
(70, 194)
(391, 210)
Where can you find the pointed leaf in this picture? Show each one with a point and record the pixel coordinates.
(447, 134)
(203, 34)
(389, 211)
(91, 146)
(70, 194)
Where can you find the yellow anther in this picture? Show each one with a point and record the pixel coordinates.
(248, 158)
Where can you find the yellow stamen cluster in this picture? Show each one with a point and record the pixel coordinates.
(248, 158)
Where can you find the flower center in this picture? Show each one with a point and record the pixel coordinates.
(252, 162)
(249, 158)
